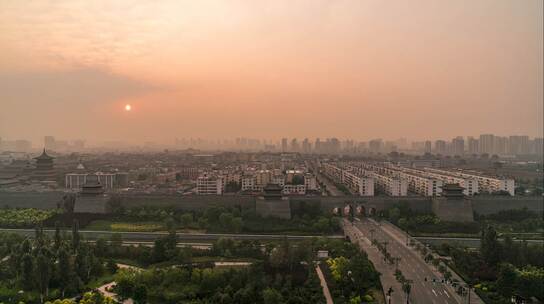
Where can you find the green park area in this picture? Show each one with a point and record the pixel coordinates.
(65, 269)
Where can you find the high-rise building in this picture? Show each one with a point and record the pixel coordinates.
(487, 143)
(472, 144)
(294, 145)
(440, 147)
(538, 146)
(284, 145)
(306, 146)
(428, 146)
(501, 145)
(458, 145)
(375, 145)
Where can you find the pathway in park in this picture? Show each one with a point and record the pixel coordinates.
(326, 291)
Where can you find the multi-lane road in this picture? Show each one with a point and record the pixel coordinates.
(427, 286)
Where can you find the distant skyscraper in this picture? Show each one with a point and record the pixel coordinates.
(458, 145)
(440, 147)
(487, 143)
(306, 146)
(538, 146)
(428, 146)
(294, 145)
(472, 144)
(500, 145)
(284, 145)
(375, 145)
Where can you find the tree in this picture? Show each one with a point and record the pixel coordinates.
(237, 224)
(506, 281)
(225, 219)
(186, 219)
(140, 294)
(159, 250)
(82, 264)
(27, 272)
(75, 236)
(407, 288)
(490, 247)
(63, 270)
(272, 296)
(43, 274)
(58, 237)
(69, 202)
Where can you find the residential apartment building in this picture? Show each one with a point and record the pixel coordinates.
(470, 185)
(209, 184)
(485, 183)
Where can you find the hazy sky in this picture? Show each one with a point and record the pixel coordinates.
(359, 69)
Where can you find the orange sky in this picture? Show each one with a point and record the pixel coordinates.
(268, 69)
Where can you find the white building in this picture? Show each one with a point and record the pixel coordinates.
(77, 180)
(209, 184)
(310, 182)
(294, 189)
(390, 185)
(470, 185)
(485, 183)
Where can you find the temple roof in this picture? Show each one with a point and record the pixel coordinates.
(44, 156)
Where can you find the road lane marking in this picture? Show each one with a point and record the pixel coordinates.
(446, 293)
(435, 293)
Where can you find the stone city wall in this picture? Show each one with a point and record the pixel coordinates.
(49, 200)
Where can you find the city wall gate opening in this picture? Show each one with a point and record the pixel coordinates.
(357, 209)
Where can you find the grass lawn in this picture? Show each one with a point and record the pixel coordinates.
(106, 278)
(125, 226)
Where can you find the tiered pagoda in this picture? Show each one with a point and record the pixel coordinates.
(45, 170)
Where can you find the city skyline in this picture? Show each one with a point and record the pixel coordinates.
(354, 69)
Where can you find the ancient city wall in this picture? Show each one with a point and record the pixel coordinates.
(49, 200)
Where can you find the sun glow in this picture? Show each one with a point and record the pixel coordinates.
(128, 107)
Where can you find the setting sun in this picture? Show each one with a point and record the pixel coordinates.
(128, 107)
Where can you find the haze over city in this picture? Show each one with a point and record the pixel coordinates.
(270, 69)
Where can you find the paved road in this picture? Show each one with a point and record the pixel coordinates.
(412, 266)
(330, 186)
(387, 277)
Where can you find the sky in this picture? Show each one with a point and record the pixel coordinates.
(356, 69)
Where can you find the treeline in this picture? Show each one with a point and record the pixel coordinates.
(502, 269)
(418, 222)
(278, 274)
(306, 218)
(48, 268)
(350, 276)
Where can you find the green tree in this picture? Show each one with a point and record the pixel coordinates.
(27, 272)
(43, 274)
(407, 288)
(506, 281)
(58, 237)
(272, 296)
(63, 270)
(140, 294)
(186, 219)
(489, 246)
(75, 236)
